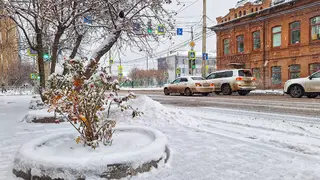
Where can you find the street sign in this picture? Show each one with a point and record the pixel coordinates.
(205, 56)
(161, 30)
(87, 20)
(192, 44)
(120, 68)
(32, 52)
(137, 28)
(120, 74)
(192, 55)
(179, 31)
(111, 61)
(178, 71)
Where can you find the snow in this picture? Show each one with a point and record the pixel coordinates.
(141, 89)
(60, 150)
(207, 143)
(268, 91)
(17, 91)
(37, 114)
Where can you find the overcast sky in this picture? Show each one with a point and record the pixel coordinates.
(215, 8)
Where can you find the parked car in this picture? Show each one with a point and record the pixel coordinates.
(236, 80)
(309, 86)
(189, 86)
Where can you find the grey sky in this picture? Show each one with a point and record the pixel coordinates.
(215, 8)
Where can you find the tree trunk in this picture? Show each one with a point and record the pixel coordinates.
(55, 48)
(76, 47)
(92, 66)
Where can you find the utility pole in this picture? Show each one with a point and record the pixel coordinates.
(204, 38)
(192, 49)
(110, 64)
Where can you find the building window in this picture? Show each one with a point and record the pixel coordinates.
(229, 18)
(235, 15)
(240, 43)
(315, 28)
(256, 40)
(295, 33)
(240, 13)
(294, 71)
(256, 8)
(261, 8)
(256, 73)
(276, 34)
(226, 46)
(276, 75)
(314, 68)
(252, 10)
(244, 12)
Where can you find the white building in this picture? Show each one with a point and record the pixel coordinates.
(180, 60)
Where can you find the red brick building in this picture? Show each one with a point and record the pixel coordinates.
(277, 39)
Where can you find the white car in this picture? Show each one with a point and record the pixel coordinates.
(309, 86)
(189, 85)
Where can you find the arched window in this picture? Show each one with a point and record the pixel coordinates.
(240, 13)
(252, 10)
(229, 18)
(256, 8)
(225, 19)
(295, 32)
(244, 12)
(261, 8)
(235, 15)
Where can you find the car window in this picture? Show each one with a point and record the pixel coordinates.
(212, 76)
(197, 78)
(176, 81)
(184, 80)
(245, 73)
(228, 74)
(316, 75)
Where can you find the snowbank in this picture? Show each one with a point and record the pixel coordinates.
(142, 89)
(154, 113)
(270, 91)
(41, 116)
(134, 150)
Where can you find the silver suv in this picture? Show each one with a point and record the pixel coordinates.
(236, 80)
(309, 86)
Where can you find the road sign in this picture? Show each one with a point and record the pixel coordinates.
(87, 20)
(161, 30)
(111, 61)
(205, 56)
(178, 71)
(120, 68)
(179, 31)
(192, 55)
(120, 74)
(32, 52)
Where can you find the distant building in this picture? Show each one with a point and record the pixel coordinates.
(179, 60)
(9, 58)
(277, 39)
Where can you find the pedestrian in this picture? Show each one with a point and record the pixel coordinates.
(3, 88)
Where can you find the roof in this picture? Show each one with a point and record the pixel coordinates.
(281, 3)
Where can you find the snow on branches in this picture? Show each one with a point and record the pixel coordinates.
(86, 102)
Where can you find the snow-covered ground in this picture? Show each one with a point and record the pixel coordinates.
(207, 143)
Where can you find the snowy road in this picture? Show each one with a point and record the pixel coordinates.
(218, 139)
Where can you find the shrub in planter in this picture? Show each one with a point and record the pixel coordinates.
(86, 103)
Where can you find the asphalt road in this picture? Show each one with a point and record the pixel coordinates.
(279, 104)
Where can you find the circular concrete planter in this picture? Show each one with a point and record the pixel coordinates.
(134, 150)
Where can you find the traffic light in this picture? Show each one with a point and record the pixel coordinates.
(150, 27)
(193, 65)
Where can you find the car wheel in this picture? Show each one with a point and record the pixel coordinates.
(166, 92)
(206, 94)
(312, 95)
(226, 89)
(181, 94)
(188, 92)
(296, 91)
(243, 93)
(217, 92)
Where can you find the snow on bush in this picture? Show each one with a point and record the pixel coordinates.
(35, 115)
(84, 99)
